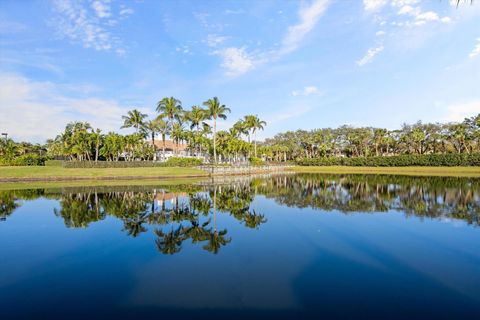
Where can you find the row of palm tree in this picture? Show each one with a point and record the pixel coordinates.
(172, 119)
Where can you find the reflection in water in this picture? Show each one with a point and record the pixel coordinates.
(189, 212)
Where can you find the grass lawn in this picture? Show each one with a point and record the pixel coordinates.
(411, 171)
(58, 173)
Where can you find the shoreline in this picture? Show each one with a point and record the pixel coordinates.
(461, 172)
(53, 174)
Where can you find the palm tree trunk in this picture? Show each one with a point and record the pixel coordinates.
(163, 148)
(214, 140)
(96, 150)
(154, 147)
(255, 142)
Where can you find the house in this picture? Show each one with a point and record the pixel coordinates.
(172, 149)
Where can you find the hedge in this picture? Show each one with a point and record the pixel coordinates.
(171, 162)
(29, 159)
(431, 160)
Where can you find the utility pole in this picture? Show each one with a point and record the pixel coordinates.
(5, 135)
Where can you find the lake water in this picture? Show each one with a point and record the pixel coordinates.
(293, 246)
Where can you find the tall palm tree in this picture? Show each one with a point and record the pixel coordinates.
(170, 108)
(135, 119)
(163, 128)
(254, 124)
(97, 137)
(152, 127)
(215, 110)
(197, 116)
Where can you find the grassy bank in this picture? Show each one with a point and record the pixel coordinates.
(96, 183)
(58, 173)
(411, 171)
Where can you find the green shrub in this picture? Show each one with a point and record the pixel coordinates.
(432, 160)
(183, 162)
(29, 159)
(172, 162)
(256, 161)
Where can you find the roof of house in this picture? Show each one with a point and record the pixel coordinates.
(169, 145)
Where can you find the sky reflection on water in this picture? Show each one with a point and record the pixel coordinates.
(284, 246)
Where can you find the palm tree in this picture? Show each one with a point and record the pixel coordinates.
(152, 127)
(197, 116)
(170, 108)
(163, 128)
(97, 137)
(135, 119)
(253, 123)
(215, 110)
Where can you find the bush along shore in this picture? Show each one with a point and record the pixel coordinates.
(430, 160)
(171, 162)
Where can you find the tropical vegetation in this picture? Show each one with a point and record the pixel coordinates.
(196, 129)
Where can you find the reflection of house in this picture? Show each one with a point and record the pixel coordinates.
(162, 197)
(172, 149)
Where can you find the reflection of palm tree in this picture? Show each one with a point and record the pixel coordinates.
(198, 232)
(253, 220)
(7, 204)
(170, 242)
(216, 240)
(133, 225)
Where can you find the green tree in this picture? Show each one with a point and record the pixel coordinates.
(134, 119)
(215, 111)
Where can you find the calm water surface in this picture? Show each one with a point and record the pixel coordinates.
(296, 246)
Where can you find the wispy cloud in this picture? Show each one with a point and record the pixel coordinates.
(307, 91)
(214, 40)
(37, 110)
(373, 5)
(458, 112)
(368, 57)
(101, 8)
(309, 16)
(89, 25)
(476, 50)
(236, 61)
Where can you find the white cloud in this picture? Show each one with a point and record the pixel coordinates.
(476, 50)
(35, 111)
(89, 25)
(214, 40)
(458, 112)
(371, 53)
(309, 16)
(306, 91)
(373, 5)
(101, 8)
(236, 61)
(420, 17)
(126, 11)
(380, 33)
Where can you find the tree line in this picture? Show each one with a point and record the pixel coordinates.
(197, 128)
(412, 139)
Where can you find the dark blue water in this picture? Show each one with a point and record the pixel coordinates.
(304, 246)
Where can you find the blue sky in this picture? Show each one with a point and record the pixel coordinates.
(297, 64)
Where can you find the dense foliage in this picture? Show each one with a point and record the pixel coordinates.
(433, 160)
(171, 162)
(416, 144)
(346, 141)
